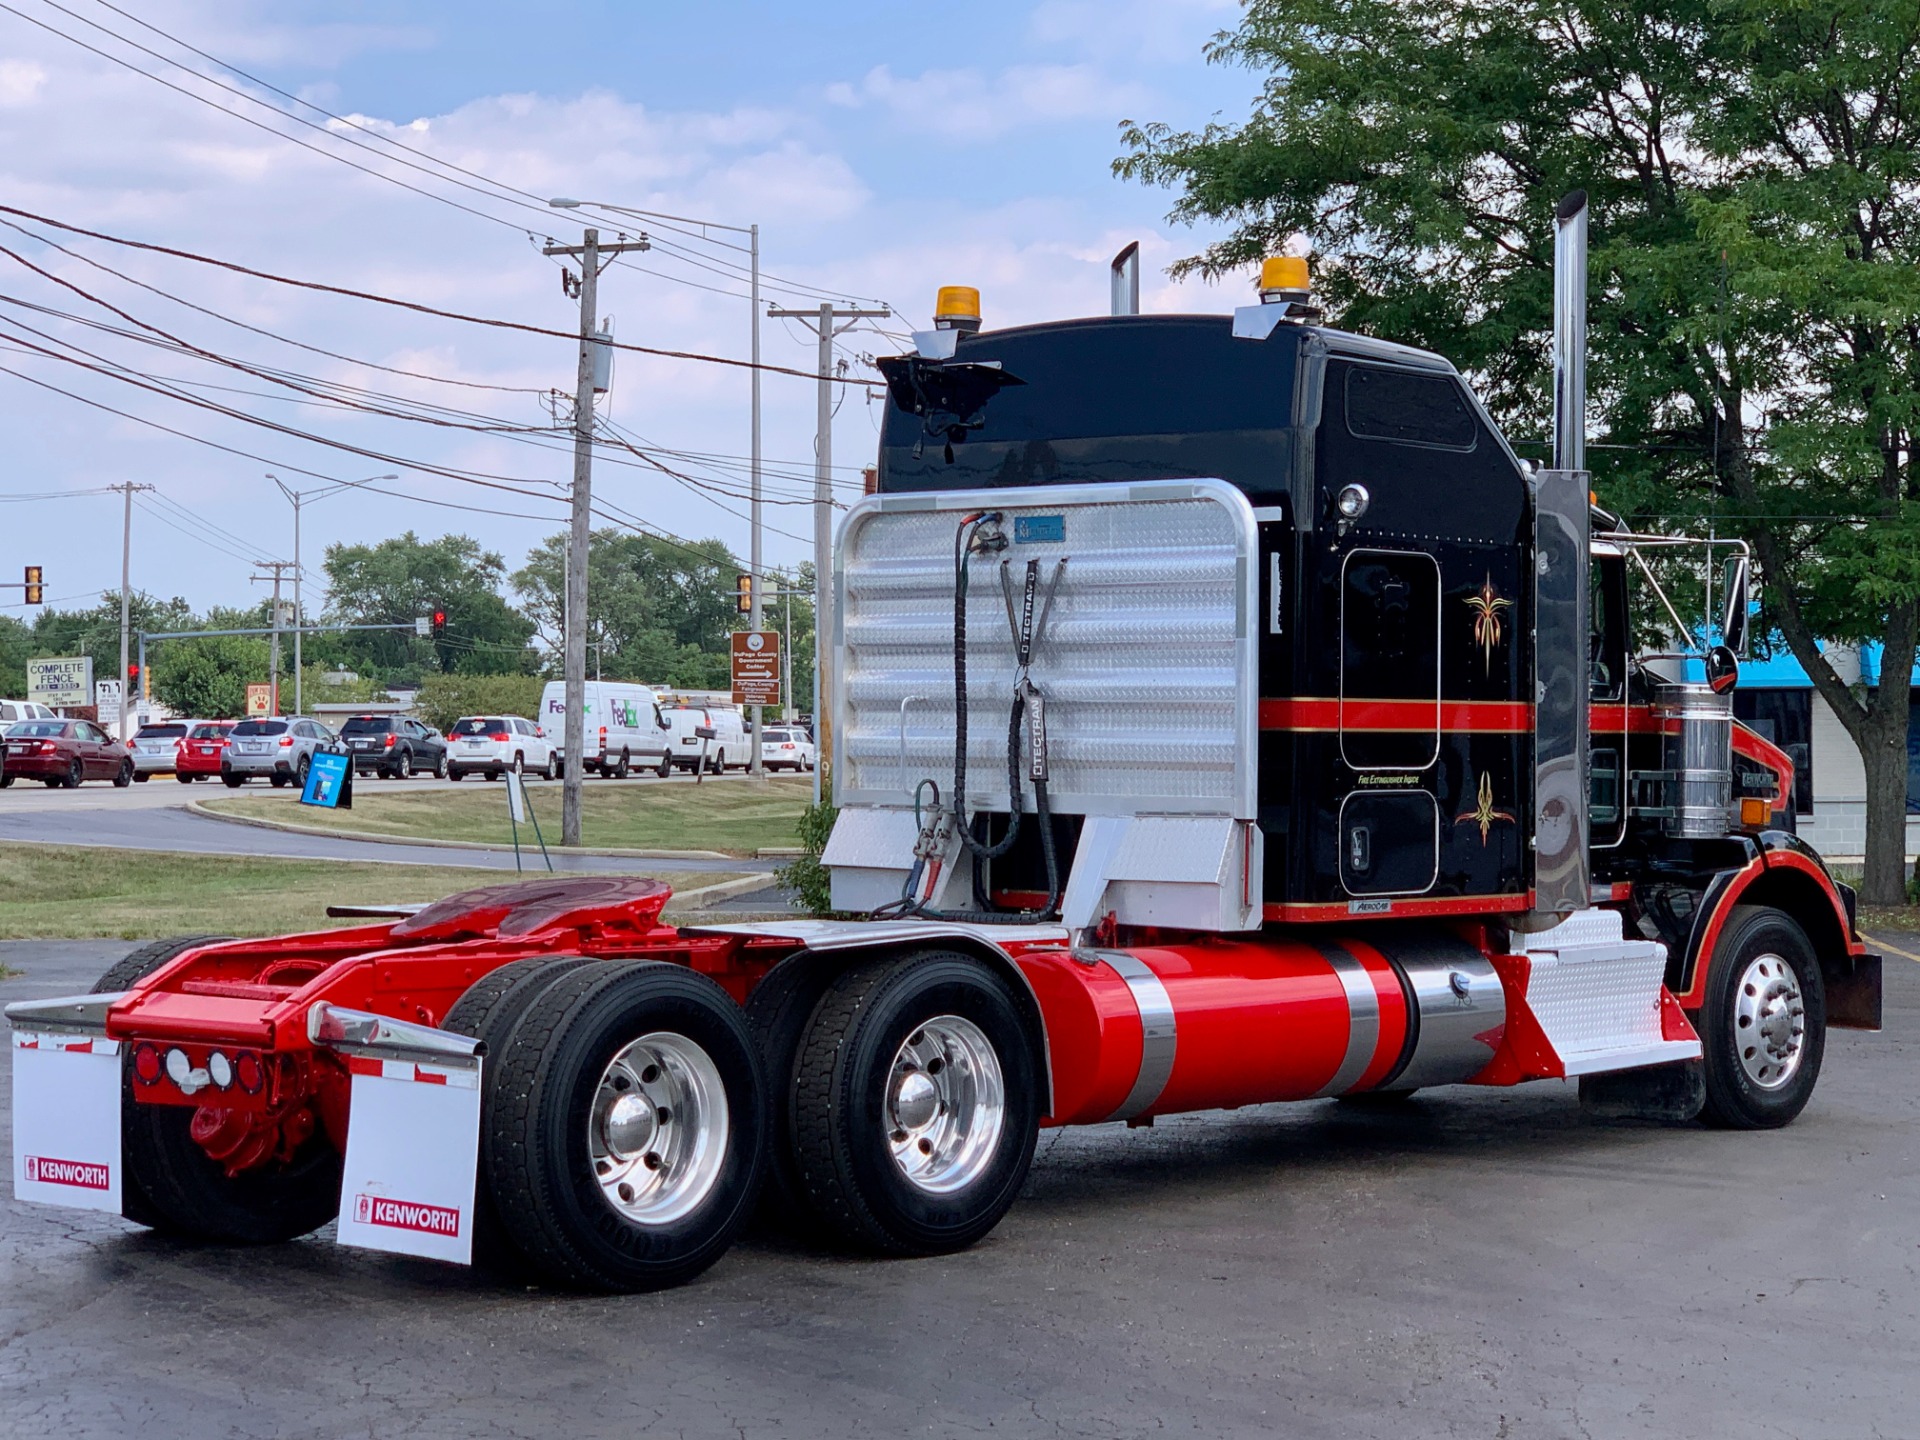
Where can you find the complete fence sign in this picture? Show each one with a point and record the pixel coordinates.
(756, 667)
(61, 682)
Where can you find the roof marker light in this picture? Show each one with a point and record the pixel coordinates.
(957, 307)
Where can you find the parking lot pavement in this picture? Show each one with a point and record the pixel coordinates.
(152, 818)
(1474, 1264)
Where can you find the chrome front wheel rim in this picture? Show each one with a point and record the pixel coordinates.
(1769, 1022)
(657, 1132)
(946, 1105)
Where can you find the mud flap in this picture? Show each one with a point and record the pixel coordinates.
(413, 1134)
(1675, 1093)
(66, 1120)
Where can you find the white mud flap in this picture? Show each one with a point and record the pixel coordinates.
(66, 1120)
(413, 1136)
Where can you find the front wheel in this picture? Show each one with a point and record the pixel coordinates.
(440, 766)
(915, 1104)
(624, 1125)
(1763, 1028)
(623, 769)
(665, 768)
(231, 781)
(124, 776)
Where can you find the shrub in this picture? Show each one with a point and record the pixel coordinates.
(806, 877)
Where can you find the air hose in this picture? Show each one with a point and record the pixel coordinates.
(966, 540)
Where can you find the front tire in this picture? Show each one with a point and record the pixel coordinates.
(915, 1104)
(624, 1128)
(125, 776)
(665, 767)
(1763, 1028)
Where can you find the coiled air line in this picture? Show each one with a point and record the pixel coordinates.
(975, 537)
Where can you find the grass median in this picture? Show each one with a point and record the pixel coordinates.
(734, 817)
(73, 892)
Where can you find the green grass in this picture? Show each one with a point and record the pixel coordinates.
(74, 892)
(735, 817)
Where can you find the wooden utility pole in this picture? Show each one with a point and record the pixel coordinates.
(593, 257)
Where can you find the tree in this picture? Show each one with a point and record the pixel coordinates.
(1754, 297)
(658, 611)
(404, 579)
(16, 646)
(443, 699)
(96, 631)
(209, 678)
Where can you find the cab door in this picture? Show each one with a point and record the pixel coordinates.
(1389, 821)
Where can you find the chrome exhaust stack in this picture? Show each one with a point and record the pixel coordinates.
(1125, 276)
(1561, 525)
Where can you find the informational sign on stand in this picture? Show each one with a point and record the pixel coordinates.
(756, 667)
(329, 781)
(259, 700)
(106, 701)
(61, 682)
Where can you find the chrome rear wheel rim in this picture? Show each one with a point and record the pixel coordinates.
(946, 1105)
(657, 1132)
(1769, 1022)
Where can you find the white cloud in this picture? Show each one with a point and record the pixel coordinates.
(968, 104)
(1160, 32)
(20, 82)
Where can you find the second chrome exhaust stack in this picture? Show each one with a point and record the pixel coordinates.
(1570, 332)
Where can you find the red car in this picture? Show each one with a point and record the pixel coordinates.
(198, 754)
(65, 752)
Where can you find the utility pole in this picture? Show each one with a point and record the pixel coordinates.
(593, 257)
(279, 568)
(126, 598)
(299, 609)
(826, 324)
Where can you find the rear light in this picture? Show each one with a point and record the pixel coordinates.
(146, 1064)
(389, 742)
(249, 1072)
(501, 736)
(219, 1070)
(47, 747)
(286, 739)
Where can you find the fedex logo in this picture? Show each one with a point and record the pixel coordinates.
(79, 1173)
(406, 1215)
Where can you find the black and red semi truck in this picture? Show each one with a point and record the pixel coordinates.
(1222, 714)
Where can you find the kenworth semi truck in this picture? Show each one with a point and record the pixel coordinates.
(1224, 715)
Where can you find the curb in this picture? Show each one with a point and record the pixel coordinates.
(725, 890)
(197, 807)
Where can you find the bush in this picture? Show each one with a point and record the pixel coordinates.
(444, 698)
(806, 877)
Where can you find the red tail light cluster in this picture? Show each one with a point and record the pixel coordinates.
(499, 734)
(47, 747)
(389, 742)
(286, 740)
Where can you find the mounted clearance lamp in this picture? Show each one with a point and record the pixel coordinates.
(1348, 506)
(957, 307)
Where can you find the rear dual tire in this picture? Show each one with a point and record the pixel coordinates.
(623, 1122)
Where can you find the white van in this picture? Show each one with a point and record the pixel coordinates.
(728, 747)
(624, 727)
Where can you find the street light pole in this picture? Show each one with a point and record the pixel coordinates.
(299, 611)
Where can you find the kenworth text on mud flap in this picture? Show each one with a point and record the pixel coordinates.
(1224, 715)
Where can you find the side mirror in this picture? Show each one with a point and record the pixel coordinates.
(1733, 625)
(1723, 670)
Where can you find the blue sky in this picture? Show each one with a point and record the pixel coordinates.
(884, 149)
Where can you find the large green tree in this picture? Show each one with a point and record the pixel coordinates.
(658, 611)
(1754, 167)
(96, 631)
(208, 678)
(400, 580)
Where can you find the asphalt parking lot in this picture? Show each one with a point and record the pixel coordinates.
(1480, 1263)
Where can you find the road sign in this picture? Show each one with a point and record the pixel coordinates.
(756, 667)
(106, 701)
(58, 682)
(259, 699)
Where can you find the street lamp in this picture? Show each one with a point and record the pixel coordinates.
(752, 232)
(300, 615)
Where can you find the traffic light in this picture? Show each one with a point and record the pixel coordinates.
(438, 623)
(133, 681)
(744, 594)
(35, 592)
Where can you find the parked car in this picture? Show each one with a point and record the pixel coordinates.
(491, 745)
(64, 752)
(201, 749)
(280, 747)
(13, 711)
(155, 746)
(624, 727)
(786, 749)
(728, 747)
(394, 746)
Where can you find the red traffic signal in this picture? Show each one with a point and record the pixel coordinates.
(439, 623)
(133, 676)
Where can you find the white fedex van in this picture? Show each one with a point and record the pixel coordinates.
(727, 748)
(624, 727)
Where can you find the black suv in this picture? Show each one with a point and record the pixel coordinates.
(394, 746)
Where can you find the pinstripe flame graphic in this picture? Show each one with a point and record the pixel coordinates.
(1483, 814)
(1486, 604)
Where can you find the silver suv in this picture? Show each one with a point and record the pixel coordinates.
(280, 748)
(156, 746)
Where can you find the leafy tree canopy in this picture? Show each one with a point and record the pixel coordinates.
(403, 579)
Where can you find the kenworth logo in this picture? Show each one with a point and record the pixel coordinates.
(406, 1215)
(67, 1172)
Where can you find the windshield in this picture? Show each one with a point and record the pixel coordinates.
(478, 725)
(45, 729)
(261, 727)
(208, 732)
(367, 725)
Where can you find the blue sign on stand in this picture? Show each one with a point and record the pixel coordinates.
(329, 782)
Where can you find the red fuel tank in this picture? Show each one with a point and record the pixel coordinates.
(1220, 1022)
